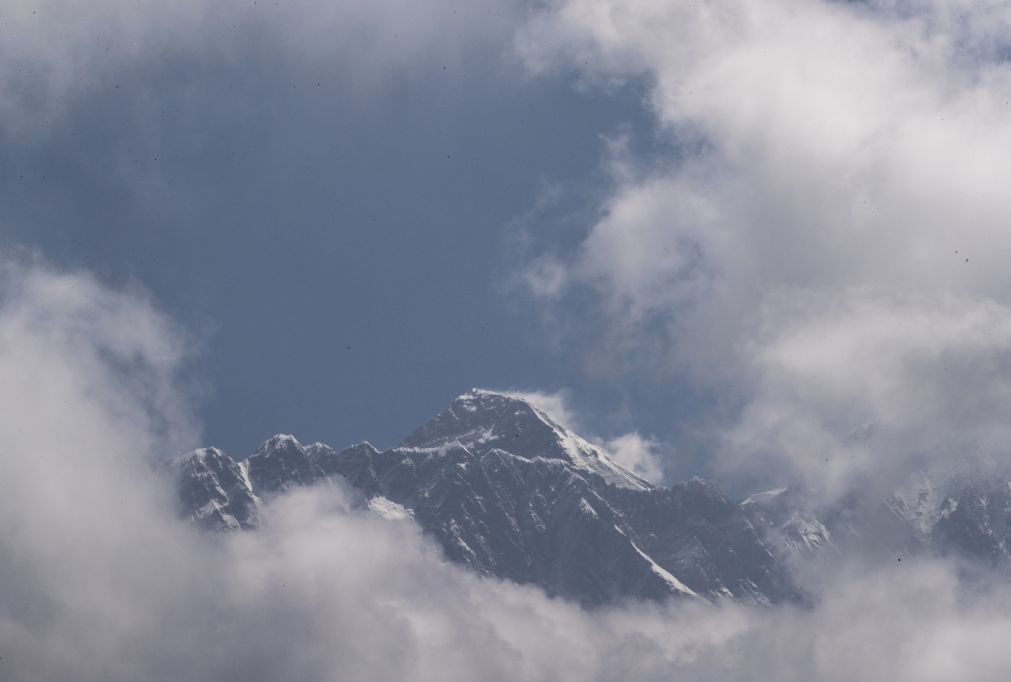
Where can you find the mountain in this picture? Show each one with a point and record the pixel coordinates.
(215, 490)
(963, 511)
(784, 517)
(509, 492)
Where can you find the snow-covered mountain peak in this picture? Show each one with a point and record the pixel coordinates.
(481, 420)
(198, 457)
(281, 441)
(280, 462)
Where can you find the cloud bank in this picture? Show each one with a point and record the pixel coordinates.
(102, 581)
(828, 244)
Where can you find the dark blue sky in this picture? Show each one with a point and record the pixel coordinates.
(341, 251)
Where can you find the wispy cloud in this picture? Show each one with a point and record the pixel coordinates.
(55, 52)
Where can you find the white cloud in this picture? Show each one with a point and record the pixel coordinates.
(545, 277)
(834, 229)
(637, 454)
(864, 388)
(554, 404)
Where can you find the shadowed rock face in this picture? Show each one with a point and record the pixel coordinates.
(783, 518)
(215, 491)
(509, 493)
(974, 520)
(699, 534)
(281, 463)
